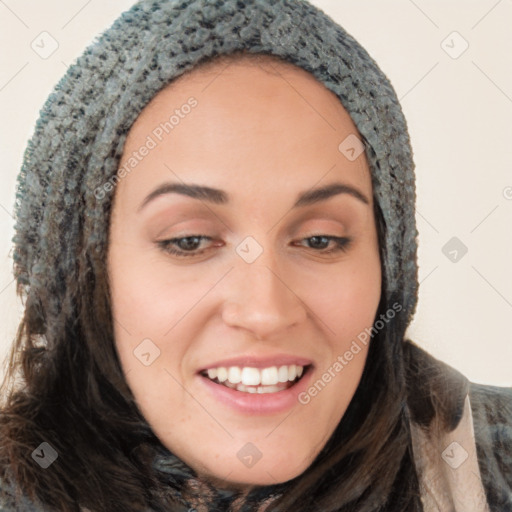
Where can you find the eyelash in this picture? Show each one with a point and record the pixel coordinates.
(341, 244)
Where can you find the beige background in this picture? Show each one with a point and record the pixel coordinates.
(459, 110)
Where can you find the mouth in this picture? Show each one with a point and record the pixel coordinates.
(247, 379)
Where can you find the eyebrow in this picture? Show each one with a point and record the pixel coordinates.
(216, 196)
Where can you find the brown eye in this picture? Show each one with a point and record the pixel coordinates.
(321, 242)
(183, 246)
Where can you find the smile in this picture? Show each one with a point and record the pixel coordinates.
(257, 384)
(256, 380)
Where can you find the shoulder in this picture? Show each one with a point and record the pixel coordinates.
(11, 500)
(494, 402)
(437, 389)
(7, 497)
(491, 408)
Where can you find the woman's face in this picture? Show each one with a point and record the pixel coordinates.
(269, 270)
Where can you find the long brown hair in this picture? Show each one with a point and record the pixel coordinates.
(64, 385)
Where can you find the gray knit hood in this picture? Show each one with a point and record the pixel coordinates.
(61, 220)
(80, 135)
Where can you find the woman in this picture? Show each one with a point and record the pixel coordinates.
(218, 254)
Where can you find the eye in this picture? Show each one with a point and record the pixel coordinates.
(183, 246)
(190, 245)
(322, 242)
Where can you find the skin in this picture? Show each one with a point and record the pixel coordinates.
(262, 133)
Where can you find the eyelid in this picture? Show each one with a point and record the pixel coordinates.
(341, 244)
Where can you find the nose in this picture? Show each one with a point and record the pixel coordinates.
(262, 301)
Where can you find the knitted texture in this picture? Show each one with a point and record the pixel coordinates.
(80, 135)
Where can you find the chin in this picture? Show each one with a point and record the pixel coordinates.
(236, 476)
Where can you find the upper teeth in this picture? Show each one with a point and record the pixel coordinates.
(249, 376)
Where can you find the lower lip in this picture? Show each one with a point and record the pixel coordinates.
(256, 403)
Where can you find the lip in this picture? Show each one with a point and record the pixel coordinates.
(255, 403)
(259, 362)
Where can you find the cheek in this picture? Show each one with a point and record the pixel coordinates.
(147, 299)
(347, 299)
(148, 319)
(146, 308)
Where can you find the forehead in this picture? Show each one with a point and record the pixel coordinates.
(249, 78)
(242, 80)
(256, 117)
